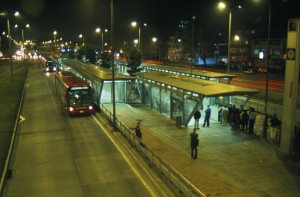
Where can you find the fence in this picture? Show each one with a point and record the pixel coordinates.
(172, 175)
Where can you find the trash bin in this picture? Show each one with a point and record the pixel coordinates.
(178, 121)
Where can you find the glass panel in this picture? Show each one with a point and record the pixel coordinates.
(135, 92)
(146, 95)
(155, 93)
(106, 93)
(120, 92)
(165, 103)
(189, 105)
(176, 107)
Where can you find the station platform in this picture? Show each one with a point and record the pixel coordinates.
(229, 163)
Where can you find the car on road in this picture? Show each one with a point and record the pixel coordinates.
(249, 72)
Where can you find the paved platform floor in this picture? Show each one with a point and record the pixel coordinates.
(230, 163)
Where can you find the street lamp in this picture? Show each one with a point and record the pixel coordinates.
(22, 31)
(268, 57)
(98, 30)
(113, 64)
(222, 5)
(241, 45)
(54, 37)
(134, 24)
(155, 40)
(81, 36)
(193, 32)
(9, 42)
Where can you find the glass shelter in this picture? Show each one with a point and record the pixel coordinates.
(176, 95)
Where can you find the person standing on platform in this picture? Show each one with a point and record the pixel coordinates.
(207, 116)
(220, 114)
(275, 123)
(225, 114)
(252, 118)
(244, 120)
(197, 116)
(194, 144)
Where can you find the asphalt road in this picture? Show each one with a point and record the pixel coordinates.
(58, 155)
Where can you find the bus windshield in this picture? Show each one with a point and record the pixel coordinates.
(80, 97)
(50, 64)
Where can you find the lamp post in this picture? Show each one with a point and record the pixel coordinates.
(9, 50)
(23, 37)
(54, 37)
(155, 41)
(222, 5)
(267, 71)
(98, 30)
(22, 32)
(268, 57)
(134, 24)
(113, 65)
(81, 36)
(193, 32)
(9, 43)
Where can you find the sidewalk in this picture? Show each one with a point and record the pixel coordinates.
(230, 163)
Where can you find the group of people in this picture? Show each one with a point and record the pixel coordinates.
(239, 119)
(197, 116)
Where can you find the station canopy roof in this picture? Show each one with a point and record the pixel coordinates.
(96, 71)
(202, 87)
(184, 70)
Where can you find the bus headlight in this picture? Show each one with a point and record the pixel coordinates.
(71, 109)
(90, 107)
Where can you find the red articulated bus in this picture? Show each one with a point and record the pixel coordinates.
(75, 94)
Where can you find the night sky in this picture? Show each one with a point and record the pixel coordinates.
(74, 17)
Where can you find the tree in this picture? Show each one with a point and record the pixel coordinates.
(90, 55)
(106, 60)
(134, 60)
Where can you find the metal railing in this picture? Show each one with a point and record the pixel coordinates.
(172, 175)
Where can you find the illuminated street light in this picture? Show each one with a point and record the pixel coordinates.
(222, 5)
(9, 42)
(134, 24)
(155, 40)
(113, 64)
(193, 32)
(54, 37)
(81, 36)
(22, 31)
(98, 30)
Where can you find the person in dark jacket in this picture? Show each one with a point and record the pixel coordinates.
(275, 123)
(138, 131)
(194, 144)
(197, 116)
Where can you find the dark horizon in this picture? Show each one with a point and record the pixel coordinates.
(83, 16)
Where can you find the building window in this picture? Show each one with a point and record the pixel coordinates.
(276, 52)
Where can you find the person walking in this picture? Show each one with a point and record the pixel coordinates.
(197, 116)
(207, 116)
(275, 123)
(252, 118)
(138, 131)
(194, 144)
